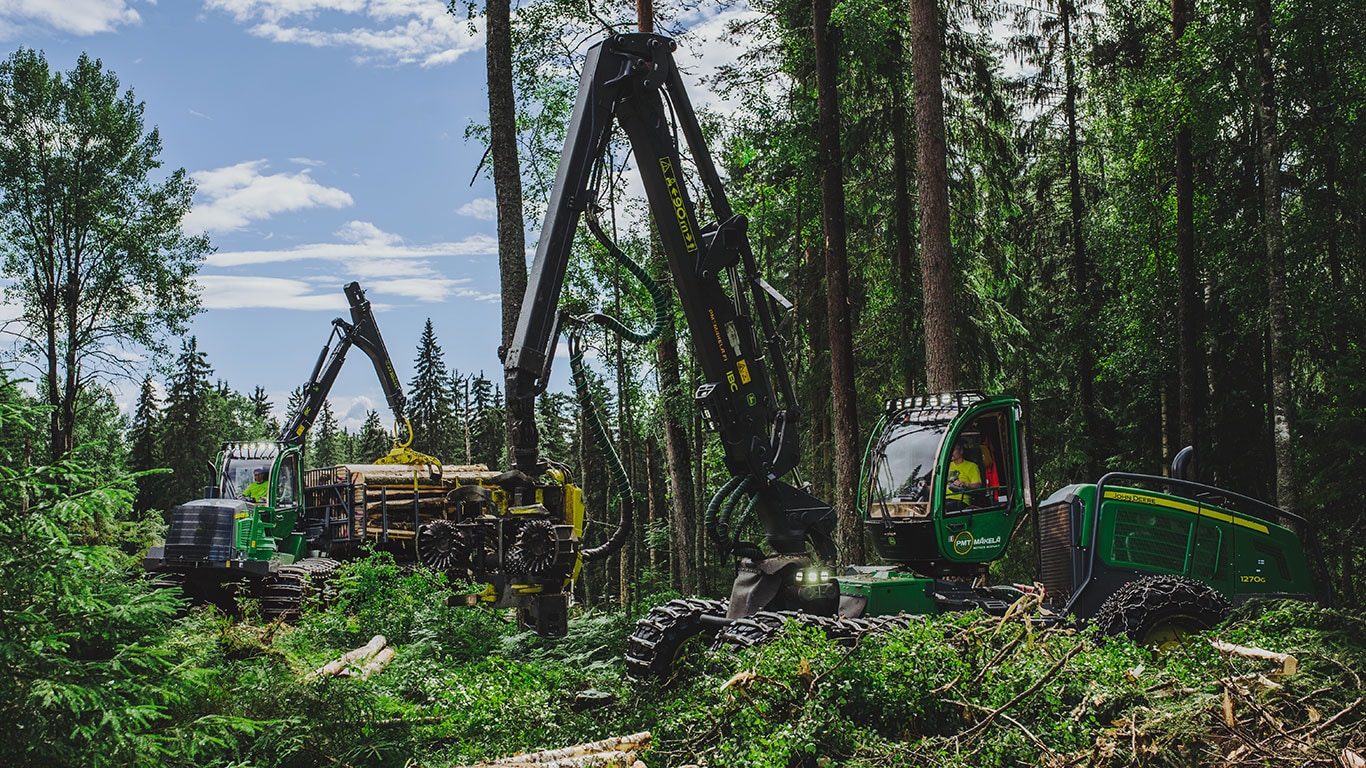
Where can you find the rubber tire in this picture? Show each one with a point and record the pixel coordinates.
(660, 636)
(1148, 603)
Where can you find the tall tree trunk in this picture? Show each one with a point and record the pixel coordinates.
(507, 175)
(678, 454)
(652, 501)
(645, 16)
(901, 210)
(1082, 306)
(1188, 303)
(936, 259)
(850, 532)
(1278, 322)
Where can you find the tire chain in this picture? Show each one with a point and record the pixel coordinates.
(762, 627)
(653, 645)
(1125, 611)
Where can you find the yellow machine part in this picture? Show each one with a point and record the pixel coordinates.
(402, 453)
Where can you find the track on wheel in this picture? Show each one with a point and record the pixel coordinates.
(282, 594)
(660, 637)
(1157, 610)
(762, 627)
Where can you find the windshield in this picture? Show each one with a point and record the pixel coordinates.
(905, 456)
(237, 475)
(239, 461)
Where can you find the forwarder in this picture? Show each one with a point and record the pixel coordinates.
(252, 533)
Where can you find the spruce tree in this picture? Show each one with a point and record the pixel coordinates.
(486, 422)
(326, 443)
(431, 407)
(189, 440)
(261, 408)
(144, 451)
(374, 440)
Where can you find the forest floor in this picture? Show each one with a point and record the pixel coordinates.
(450, 686)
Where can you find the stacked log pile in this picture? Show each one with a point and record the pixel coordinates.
(388, 492)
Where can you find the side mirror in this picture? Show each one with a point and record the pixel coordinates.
(1183, 464)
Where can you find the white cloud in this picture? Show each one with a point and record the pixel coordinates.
(236, 292)
(364, 244)
(387, 31)
(480, 208)
(428, 289)
(364, 252)
(234, 196)
(366, 233)
(77, 17)
(351, 412)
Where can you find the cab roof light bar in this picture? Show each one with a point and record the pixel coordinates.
(959, 400)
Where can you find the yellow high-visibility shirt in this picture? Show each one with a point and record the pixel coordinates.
(257, 491)
(968, 475)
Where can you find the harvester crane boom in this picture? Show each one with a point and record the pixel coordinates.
(362, 332)
(747, 397)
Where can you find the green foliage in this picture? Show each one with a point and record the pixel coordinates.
(328, 447)
(83, 679)
(966, 690)
(374, 440)
(431, 399)
(90, 243)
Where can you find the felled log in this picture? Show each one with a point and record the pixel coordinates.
(616, 752)
(376, 664)
(337, 667)
(1289, 664)
(398, 504)
(390, 474)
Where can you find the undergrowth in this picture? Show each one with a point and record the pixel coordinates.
(466, 685)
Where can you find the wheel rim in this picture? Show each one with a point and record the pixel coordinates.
(1171, 633)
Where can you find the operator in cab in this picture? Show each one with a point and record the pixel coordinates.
(259, 486)
(963, 475)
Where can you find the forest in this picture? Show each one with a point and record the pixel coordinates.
(1147, 221)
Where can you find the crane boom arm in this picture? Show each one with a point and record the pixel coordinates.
(632, 80)
(362, 332)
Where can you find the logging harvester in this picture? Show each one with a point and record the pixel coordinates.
(945, 482)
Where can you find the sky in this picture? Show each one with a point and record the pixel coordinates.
(326, 138)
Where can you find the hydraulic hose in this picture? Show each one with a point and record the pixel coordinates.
(658, 298)
(604, 443)
(745, 548)
(727, 507)
(713, 514)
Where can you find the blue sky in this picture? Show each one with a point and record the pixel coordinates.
(326, 138)
(327, 141)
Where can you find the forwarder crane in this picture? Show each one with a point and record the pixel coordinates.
(1146, 556)
(272, 548)
(361, 332)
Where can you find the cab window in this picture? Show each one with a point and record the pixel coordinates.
(286, 483)
(979, 473)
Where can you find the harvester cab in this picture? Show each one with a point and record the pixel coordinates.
(267, 530)
(946, 482)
